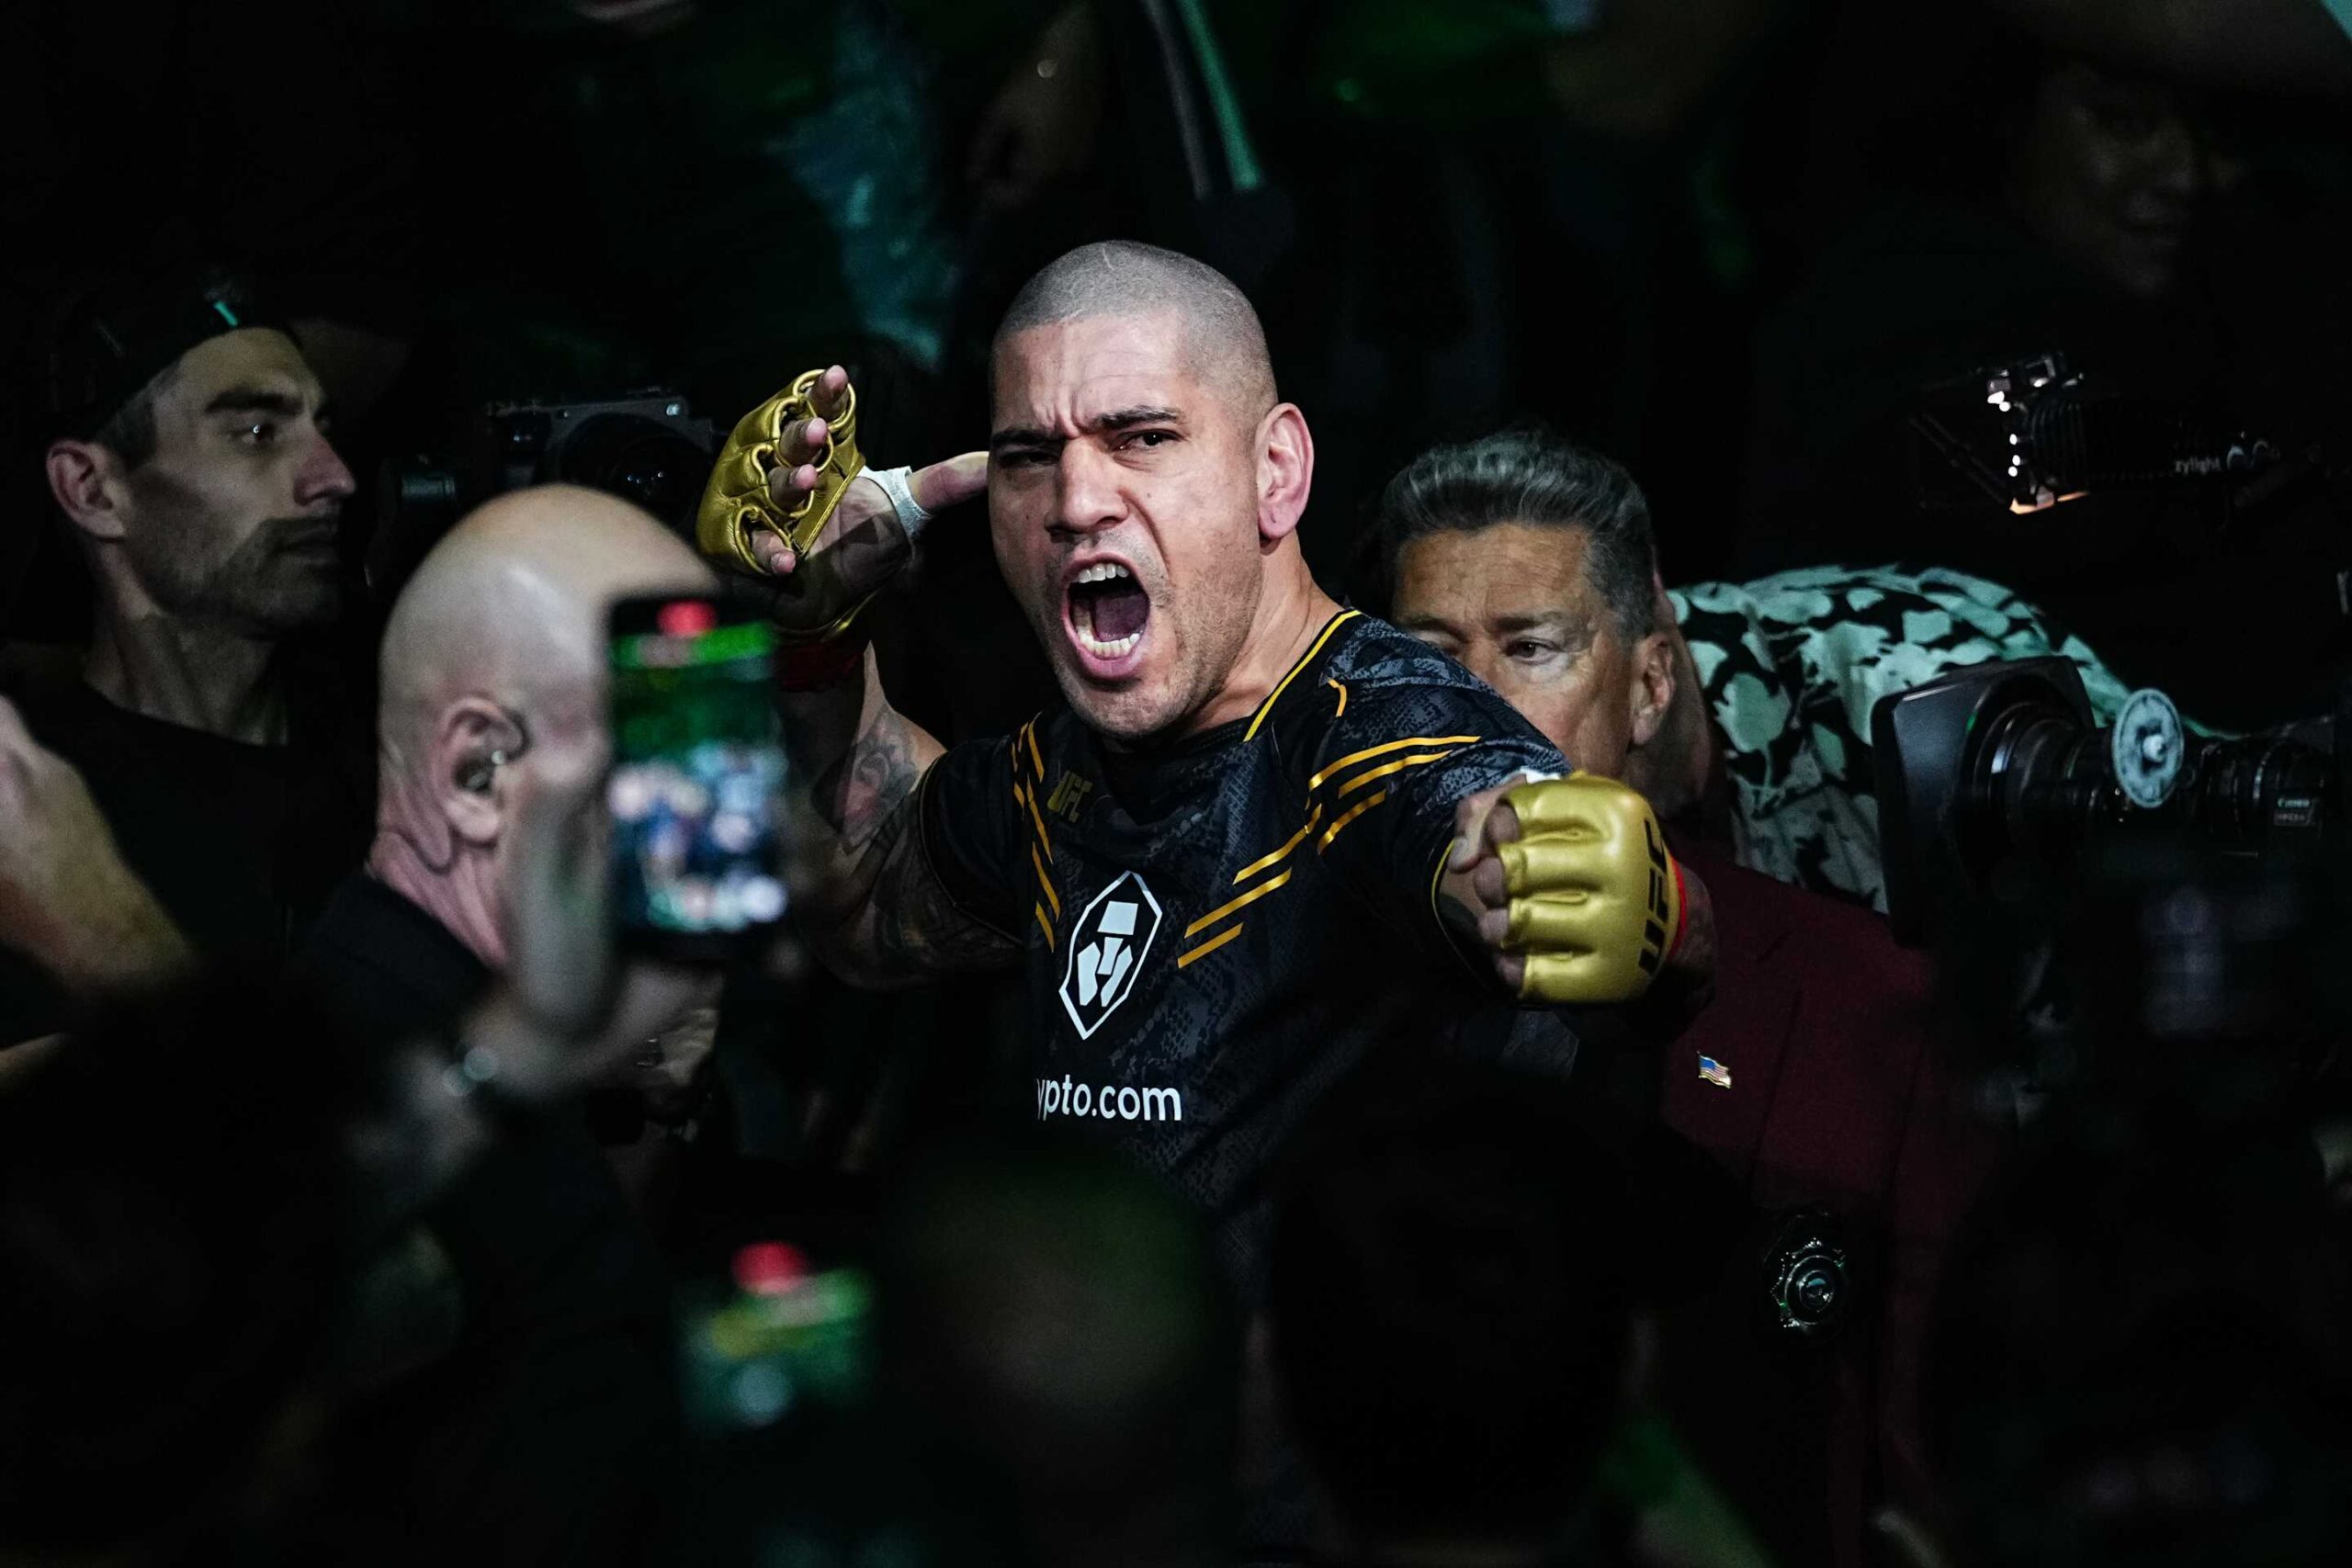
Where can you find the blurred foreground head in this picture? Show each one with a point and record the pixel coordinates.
(1062, 1318)
(494, 668)
(1450, 1312)
(173, 1236)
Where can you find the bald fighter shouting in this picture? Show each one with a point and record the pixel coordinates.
(1267, 834)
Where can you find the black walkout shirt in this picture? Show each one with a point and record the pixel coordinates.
(1215, 931)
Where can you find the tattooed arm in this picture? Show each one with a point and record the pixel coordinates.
(867, 896)
(871, 905)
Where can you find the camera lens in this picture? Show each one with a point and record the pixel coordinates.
(2260, 791)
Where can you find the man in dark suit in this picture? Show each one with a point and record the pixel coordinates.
(1808, 1075)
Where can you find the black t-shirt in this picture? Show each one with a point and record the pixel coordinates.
(547, 1433)
(240, 843)
(1215, 931)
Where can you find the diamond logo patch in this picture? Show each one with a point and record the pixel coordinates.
(1108, 944)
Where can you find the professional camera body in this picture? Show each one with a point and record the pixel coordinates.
(2144, 924)
(1999, 762)
(645, 447)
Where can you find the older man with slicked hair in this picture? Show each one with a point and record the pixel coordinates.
(1265, 836)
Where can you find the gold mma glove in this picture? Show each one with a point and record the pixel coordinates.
(1596, 902)
(737, 504)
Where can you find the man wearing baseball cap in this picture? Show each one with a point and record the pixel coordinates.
(188, 455)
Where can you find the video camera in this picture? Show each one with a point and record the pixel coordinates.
(1997, 763)
(645, 447)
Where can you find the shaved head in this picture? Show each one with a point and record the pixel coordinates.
(511, 603)
(495, 667)
(494, 670)
(1226, 345)
(1134, 440)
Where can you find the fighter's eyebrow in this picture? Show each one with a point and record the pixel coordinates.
(1127, 419)
(1013, 436)
(1017, 436)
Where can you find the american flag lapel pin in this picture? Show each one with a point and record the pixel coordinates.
(1715, 1072)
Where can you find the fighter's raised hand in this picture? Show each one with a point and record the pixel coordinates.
(791, 501)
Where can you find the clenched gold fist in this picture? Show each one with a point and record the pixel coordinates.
(1596, 901)
(1577, 894)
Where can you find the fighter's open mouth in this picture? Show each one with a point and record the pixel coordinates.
(1107, 610)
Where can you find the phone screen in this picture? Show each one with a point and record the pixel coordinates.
(697, 780)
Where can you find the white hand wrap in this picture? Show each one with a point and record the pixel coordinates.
(912, 516)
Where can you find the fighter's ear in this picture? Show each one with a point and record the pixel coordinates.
(88, 483)
(1652, 693)
(1285, 471)
(472, 744)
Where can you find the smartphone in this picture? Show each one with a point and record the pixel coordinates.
(697, 792)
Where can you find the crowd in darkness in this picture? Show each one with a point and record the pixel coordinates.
(1612, 375)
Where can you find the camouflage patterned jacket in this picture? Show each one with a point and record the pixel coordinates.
(1792, 666)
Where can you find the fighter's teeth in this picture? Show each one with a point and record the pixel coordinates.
(1111, 649)
(1102, 571)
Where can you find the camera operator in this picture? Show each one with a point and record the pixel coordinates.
(2175, 246)
(191, 461)
(1808, 1072)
